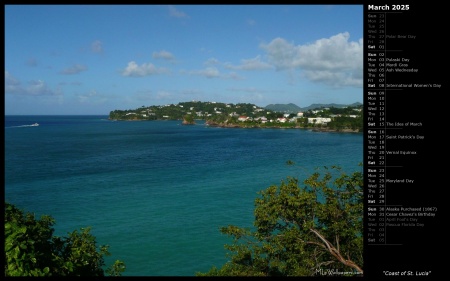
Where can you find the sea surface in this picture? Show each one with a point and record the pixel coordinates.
(157, 192)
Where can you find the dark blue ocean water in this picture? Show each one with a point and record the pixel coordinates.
(157, 192)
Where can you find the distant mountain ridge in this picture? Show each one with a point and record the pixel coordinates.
(292, 108)
(287, 108)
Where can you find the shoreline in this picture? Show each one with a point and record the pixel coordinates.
(245, 126)
(327, 130)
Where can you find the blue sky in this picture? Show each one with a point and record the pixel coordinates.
(92, 59)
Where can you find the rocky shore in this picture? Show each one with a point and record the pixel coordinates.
(316, 129)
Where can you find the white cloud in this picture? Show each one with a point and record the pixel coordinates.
(173, 12)
(334, 61)
(250, 64)
(209, 72)
(213, 72)
(234, 76)
(74, 69)
(34, 88)
(84, 97)
(211, 61)
(12, 85)
(92, 97)
(39, 88)
(335, 79)
(145, 69)
(163, 55)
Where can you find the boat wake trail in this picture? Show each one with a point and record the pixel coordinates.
(23, 126)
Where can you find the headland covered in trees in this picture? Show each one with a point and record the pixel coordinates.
(247, 115)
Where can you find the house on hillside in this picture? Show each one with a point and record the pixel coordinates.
(319, 120)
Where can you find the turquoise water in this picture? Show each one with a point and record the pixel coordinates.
(157, 192)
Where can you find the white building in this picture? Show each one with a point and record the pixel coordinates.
(319, 120)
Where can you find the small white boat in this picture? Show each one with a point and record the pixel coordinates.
(34, 125)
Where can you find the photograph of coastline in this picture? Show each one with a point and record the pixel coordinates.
(175, 132)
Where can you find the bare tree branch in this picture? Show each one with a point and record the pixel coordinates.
(335, 252)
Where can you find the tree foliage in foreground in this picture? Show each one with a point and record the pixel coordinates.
(301, 230)
(32, 250)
